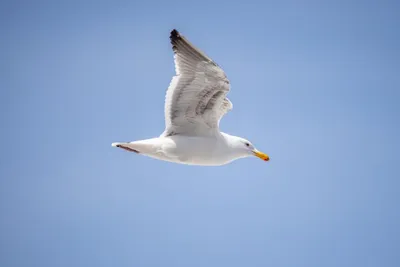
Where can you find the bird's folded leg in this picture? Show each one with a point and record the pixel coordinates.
(125, 146)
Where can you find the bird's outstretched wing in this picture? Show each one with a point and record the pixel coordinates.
(196, 98)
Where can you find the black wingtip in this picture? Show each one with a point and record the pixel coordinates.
(174, 34)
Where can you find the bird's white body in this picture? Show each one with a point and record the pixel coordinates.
(192, 150)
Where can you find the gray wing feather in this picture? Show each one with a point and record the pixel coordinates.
(196, 98)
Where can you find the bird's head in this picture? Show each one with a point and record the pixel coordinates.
(245, 148)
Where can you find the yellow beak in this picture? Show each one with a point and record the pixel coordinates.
(261, 155)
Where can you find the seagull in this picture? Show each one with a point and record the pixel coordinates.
(195, 102)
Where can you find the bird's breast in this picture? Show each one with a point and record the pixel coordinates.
(197, 150)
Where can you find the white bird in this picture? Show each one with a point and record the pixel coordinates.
(195, 102)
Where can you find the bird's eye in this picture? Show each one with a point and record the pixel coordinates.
(247, 144)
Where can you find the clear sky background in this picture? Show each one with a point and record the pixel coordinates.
(316, 85)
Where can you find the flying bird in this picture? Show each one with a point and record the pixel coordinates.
(195, 102)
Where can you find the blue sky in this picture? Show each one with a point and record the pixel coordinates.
(314, 84)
